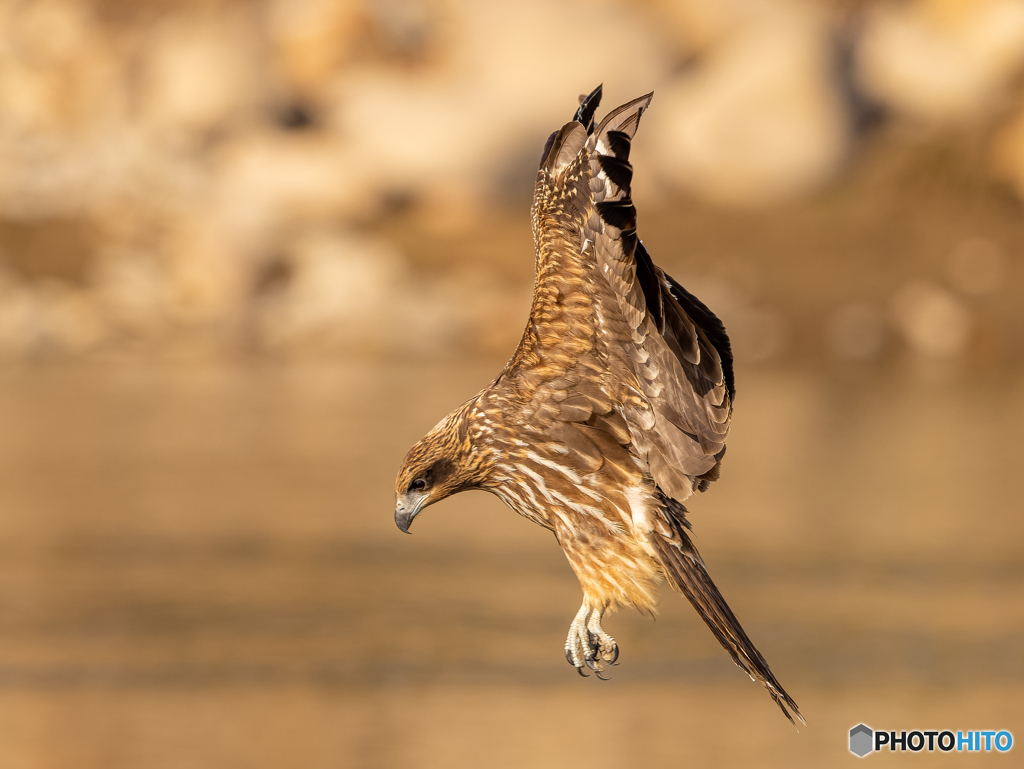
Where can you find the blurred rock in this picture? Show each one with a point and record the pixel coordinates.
(68, 320)
(46, 319)
(471, 311)
(447, 209)
(697, 26)
(62, 95)
(58, 249)
(206, 283)
(976, 266)
(759, 118)
(192, 80)
(265, 180)
(405, 29)
(129, 289)
(19, 328)
(856, 331)
(338, 291)
(456, 120)
(311, 39)
(342, 291)
(933, 321)
(942, 61)
(58, 76)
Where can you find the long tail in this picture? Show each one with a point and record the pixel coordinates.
(685, 570)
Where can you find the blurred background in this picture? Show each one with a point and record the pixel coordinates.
(251, 250)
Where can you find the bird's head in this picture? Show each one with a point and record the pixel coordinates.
(442, 463)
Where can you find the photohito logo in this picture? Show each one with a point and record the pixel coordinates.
(864, 740)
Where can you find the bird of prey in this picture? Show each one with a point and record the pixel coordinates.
(613, 410)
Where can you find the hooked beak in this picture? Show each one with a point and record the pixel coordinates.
(407, 508)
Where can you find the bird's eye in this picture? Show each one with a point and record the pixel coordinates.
(419, 484)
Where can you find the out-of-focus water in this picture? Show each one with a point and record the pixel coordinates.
(199, 567)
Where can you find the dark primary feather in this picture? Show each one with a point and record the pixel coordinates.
(618, 170)
(620, 143)
(710, 324)
(588, 106)
(647, 276)
(618, 213)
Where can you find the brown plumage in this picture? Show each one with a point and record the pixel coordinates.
(614, 408)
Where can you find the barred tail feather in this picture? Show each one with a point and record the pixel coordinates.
(685, 570)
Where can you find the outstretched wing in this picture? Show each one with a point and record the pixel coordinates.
(670, 353)
(610, 326)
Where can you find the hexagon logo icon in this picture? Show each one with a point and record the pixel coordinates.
(861, 739)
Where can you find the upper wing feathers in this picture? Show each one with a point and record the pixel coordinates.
(676, 349)
(615, 345)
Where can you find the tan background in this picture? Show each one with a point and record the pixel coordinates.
(251, 251)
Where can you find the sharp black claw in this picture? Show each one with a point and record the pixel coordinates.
(591, 664)
(601, 676)
(580, 671)
(568, 658)
(616, 657)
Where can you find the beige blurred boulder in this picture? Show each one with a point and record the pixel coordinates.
(932, 320)
(129, 288)
(207, 281)
(699, 26)
(185, 274)
(465, 312)
(942, 61)
(47, 318)
(198, 71)
(342, 291)
(759, 118)
(59, 77)
(62, 98)
(19, 320)
(68, 319)
(310, 39)
(263, 181)
(489, 96)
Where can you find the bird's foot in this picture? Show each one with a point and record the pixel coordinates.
(587, 645)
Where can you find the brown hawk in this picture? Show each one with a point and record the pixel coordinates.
(613, 410)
